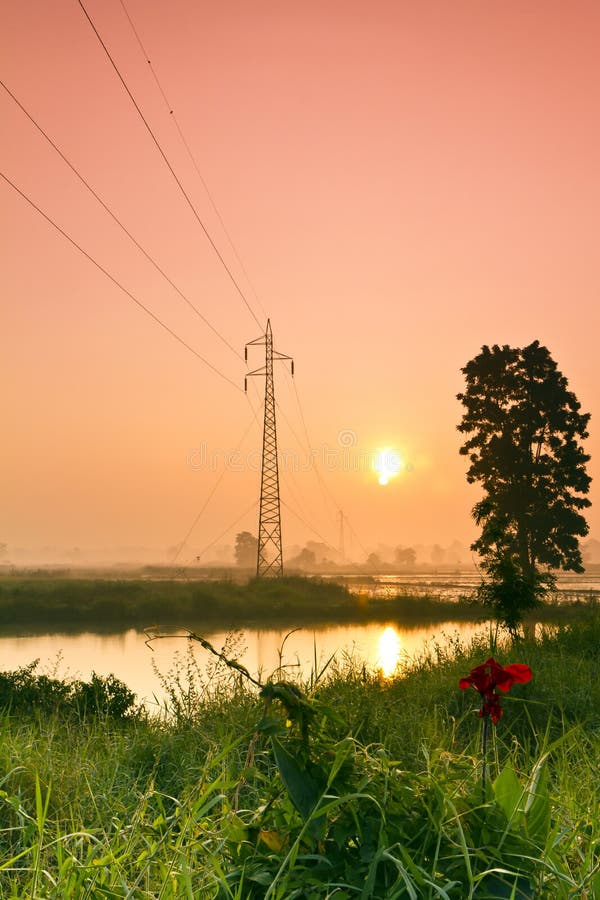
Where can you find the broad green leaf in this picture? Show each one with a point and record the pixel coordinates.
(343, 750)
(263, 877)
(537, 776)
(508, 794)
(302, 789)
(538, 807)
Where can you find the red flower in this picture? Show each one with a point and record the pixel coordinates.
(491, 677)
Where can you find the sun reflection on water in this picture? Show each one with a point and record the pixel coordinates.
(389, 651)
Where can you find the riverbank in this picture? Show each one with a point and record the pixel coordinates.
(349, 785)
(70, 604)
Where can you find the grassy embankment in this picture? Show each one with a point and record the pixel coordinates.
(360, 788)
(42, 603)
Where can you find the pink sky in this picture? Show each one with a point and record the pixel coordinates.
(404, 183)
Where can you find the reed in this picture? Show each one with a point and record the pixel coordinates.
(347, 785)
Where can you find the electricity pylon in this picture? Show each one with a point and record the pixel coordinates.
(269, 563)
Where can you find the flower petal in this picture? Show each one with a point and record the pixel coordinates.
(520, 673)
(490, 676)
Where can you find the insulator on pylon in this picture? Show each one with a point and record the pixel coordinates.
(292, 367)
(246, 354)
(245, 385)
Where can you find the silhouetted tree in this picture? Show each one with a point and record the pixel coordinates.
(405, 556)
(304, 560)
(374, 561)
(438, 555)
(319, 549)
(524, 427)
(246, 550)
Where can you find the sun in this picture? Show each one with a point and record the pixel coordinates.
(387, 464)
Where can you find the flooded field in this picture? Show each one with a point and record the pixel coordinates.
(459, 585)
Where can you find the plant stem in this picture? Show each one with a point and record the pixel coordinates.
(484, 755)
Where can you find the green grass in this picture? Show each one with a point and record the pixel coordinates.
(41, 603)
(359, 787)
(67, 602)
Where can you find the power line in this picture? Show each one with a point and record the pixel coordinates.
(170, 167)
(318, 476)
(118, 221)
(118, 283)
(180, 185)
(173, 116)
(252, 506)
(310, 527)
(281, 412)
(208, 499)
(301, 444)
(320, 480)
(310, 454)
(289, 487)
(306, 511)
(285, 418)
(358, 540)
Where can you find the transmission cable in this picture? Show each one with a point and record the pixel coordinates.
(318, 476)
(288, 482)
(358, 540)
(322, 484)
(252, 506)
(301, 444)
(118, 283)
(280, 412)
(185, 143)
(310, 527)
(254, 413)
(115, 218)
(170, 167)
(209, 497)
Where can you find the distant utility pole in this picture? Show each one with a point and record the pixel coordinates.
(269, 563)
(342, 554)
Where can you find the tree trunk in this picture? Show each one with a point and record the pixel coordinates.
(525, 553)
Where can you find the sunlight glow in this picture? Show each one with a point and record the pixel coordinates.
(389, 651)
(387, 465)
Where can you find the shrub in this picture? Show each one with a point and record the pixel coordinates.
(24, 691)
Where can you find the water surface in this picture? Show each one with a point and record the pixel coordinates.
(126, 655)
(383, 646)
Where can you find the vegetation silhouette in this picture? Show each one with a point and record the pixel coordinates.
(246, 550)
(524, 428)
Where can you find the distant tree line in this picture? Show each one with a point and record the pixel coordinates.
(317, 556)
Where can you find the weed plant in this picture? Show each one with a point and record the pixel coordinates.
(348, 786)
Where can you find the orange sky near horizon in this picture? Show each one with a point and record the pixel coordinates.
(404, 183)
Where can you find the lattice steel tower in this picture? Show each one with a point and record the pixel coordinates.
(269, 563)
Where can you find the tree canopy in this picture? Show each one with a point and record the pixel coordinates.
(246, 549)
(524, 428)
